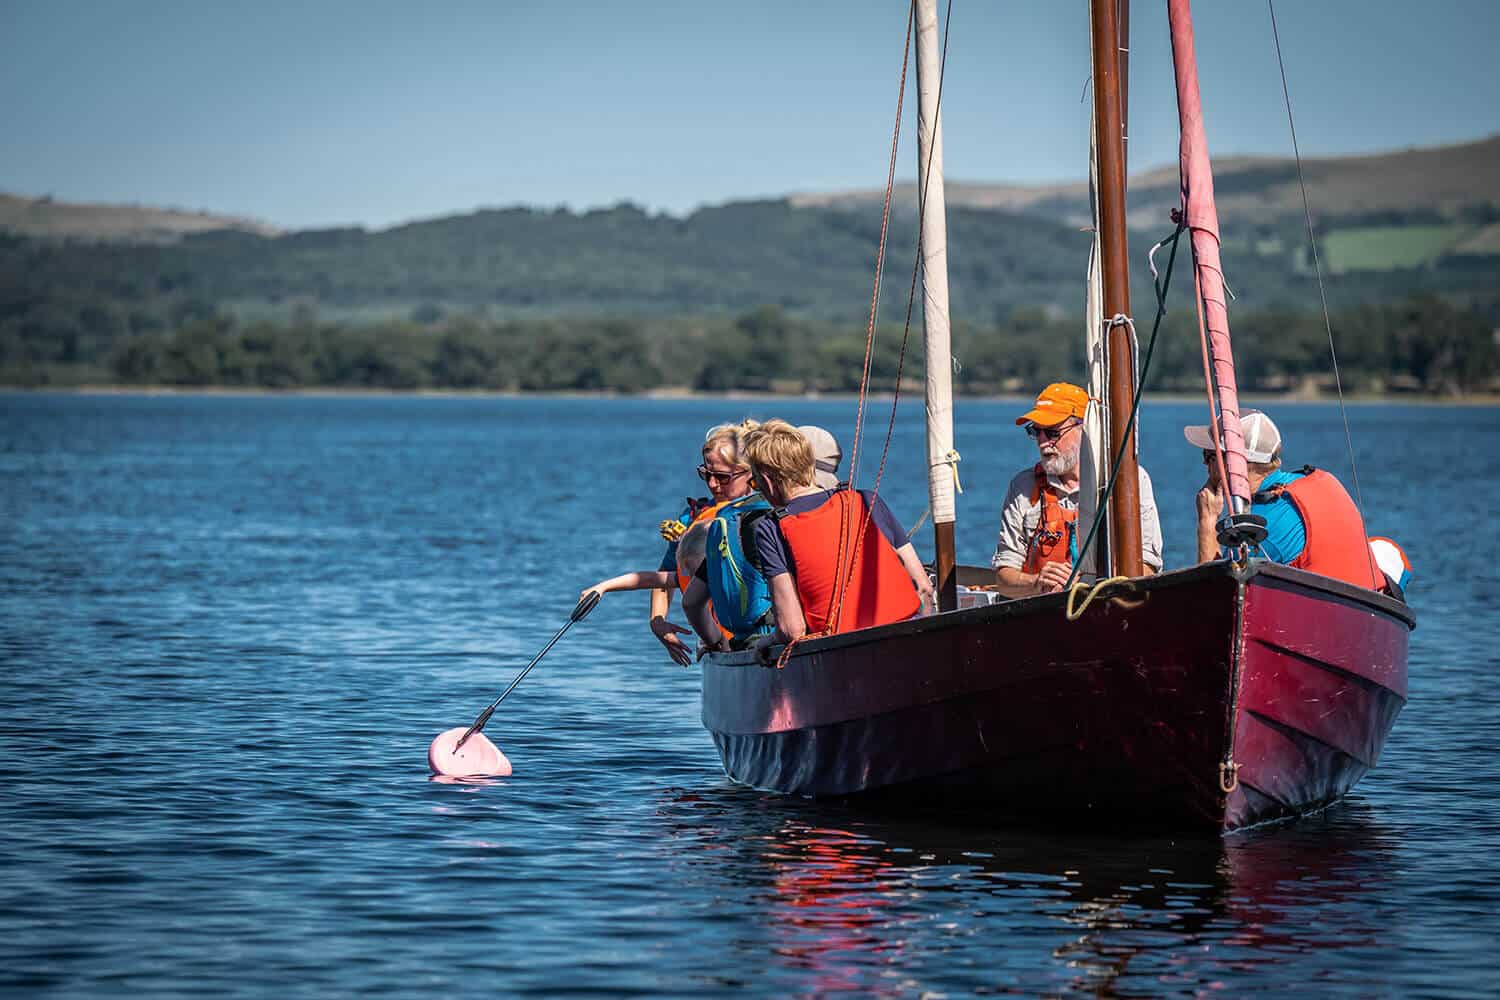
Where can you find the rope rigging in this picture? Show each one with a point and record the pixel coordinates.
(1127, 440)
(836, 597)
(952, 458)
(1312, 241)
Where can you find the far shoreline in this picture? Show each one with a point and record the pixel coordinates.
(670, 393)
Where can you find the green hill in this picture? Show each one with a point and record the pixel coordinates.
(1440, 181)
(83, 288)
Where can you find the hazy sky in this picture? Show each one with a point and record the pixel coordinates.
(321, 113)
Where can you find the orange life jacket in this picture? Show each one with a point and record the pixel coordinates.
(870, 587)
(1336, 544)
(1052, 542)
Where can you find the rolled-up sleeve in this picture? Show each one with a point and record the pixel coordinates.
(1010, 546)
(1150, 524)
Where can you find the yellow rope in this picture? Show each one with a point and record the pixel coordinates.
(951, 460)
(1091, 592)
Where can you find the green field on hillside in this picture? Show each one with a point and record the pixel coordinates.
(1382, 248)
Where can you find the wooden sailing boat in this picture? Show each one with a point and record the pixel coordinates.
(1215, 697)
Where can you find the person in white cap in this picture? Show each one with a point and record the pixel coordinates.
(826, 456)
(1311, 522)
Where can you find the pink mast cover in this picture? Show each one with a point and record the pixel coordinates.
(1202, 220)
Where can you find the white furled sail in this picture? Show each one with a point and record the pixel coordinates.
(942, 459)
(1093, 455)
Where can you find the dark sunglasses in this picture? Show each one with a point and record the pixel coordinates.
(1048, 433)
(722, 478)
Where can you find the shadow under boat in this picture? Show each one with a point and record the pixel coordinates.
(1211, 698)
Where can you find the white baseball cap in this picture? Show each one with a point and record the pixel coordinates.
(1262, 439)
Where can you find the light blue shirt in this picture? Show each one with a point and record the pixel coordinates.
(1286, 535)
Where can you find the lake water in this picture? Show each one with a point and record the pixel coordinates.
(231, 626)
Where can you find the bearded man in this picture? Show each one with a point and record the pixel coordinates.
(1039, 531)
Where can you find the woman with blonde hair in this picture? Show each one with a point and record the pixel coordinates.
(727, 476)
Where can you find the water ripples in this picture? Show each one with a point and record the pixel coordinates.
(231, 626)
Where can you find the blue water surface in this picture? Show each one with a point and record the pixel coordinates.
(230, 626)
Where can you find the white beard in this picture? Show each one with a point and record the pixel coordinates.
(1061, 463)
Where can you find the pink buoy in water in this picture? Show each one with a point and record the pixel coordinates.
(477, 758)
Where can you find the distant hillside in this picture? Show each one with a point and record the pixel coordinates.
(44, 218)
(1441, 183)
(524, 262)
(1446, 181)
(81, 283)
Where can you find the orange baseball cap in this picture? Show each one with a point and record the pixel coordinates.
(1056, 403)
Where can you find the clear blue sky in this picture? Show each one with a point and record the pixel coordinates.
(339, 112)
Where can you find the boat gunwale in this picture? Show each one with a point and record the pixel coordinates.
(1043, 603)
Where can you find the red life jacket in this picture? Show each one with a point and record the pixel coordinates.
(870, 588)
(1050, 543)
(1336, 544)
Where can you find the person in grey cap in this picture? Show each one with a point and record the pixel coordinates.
(826, 456)
(1311, 522)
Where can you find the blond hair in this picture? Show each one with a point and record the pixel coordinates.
(1264, 469)
(728, 442)
(780, 450)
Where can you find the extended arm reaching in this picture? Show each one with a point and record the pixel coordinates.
(639, 580)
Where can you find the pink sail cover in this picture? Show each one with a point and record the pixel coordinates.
(1202, 220)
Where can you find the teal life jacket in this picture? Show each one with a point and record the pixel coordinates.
(740, 594)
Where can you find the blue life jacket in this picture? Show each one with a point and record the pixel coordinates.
(740, 594)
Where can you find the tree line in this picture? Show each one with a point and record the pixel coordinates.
(1423, 343)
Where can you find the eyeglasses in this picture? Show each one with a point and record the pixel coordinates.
(1209, 457)
(720, 478)
(1049, 433)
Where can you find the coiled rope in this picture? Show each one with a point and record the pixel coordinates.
(1092, 591)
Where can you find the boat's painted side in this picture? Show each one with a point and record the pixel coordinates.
(1322, 679)
(1124, 714)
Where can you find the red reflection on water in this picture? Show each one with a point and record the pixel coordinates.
(829, 905)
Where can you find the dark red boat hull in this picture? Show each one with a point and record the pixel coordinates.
(1125, 715)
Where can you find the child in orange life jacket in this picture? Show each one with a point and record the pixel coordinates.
(1311, 522)
(728, 477)
(1039, 538)
(836, 560)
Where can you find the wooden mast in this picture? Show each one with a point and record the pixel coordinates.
(1125, 505)
(942, 472)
